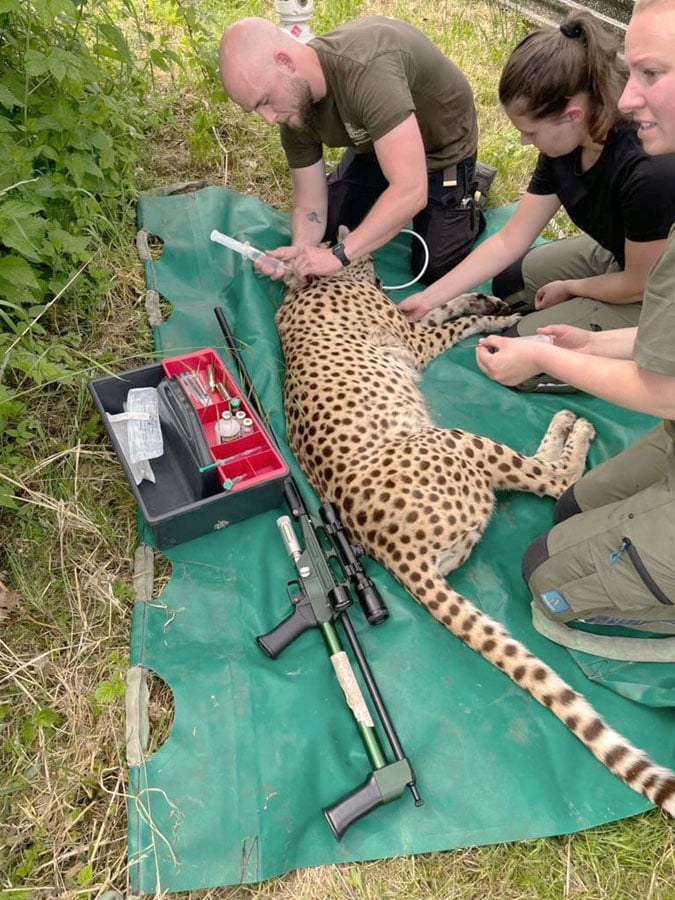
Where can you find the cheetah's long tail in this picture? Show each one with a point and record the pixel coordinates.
(492, 641)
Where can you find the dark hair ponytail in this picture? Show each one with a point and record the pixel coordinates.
(553, 64)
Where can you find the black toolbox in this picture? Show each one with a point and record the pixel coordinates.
(193, 495)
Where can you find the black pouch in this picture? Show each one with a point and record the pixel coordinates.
(450, 230)
(185, 440)
(177, 412)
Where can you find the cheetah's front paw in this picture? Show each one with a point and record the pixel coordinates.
(471, 304)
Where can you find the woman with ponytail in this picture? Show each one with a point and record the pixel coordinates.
(560, 88)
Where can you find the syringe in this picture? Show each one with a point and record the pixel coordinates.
(244, 249)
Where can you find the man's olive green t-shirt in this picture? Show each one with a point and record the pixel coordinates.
(378, 71)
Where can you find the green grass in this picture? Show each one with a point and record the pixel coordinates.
(67, 548)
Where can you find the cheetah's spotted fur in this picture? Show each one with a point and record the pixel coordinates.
(418, 497)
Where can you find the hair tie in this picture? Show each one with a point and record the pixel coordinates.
(571, 30)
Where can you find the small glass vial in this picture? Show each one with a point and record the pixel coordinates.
(235, 405)
(247, 426)
(240, 415)
(227, 427)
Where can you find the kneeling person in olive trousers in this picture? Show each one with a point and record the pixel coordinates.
(610, 556)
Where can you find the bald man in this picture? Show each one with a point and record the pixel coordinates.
(382, 89)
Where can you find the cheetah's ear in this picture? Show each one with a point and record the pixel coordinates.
(342, 232)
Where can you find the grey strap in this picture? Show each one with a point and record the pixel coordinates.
(621, 648)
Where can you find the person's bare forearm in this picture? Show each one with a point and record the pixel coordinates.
(307, 227)
(619, 381)
(489, 257)
(486, 260)
(394, 208)
(610, 287)
(625, 286)
(591, 362)
(310, 205)
(617, 343)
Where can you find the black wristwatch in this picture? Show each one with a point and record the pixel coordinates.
(339, 251)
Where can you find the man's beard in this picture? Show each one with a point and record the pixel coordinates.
(305, 114)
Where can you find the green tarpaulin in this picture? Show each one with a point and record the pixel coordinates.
(259, 746)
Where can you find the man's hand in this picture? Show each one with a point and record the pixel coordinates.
(277, 263)
(315, 261)
(552, 293)
(299, 263)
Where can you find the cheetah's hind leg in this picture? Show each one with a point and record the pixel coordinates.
(473, 304)
(553, 442)
(565, 446)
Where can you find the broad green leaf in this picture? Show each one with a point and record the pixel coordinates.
(7, 498)
(18, 274)
(62, 63)
(37, 64)
(47, 11)
(21, 228)
(80, 165)
(111, 53)
(59, 117)
(104, 144)
(158, 58)
(66, 242)
(109, 691)
(40, 368)
(7, 98)
(14, 210)
(23, 235)
(117, 40)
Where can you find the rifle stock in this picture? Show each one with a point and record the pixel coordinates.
(380, 786)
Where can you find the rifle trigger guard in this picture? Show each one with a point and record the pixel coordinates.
(295, 596)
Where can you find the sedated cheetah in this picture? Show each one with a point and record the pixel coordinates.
(418, 497)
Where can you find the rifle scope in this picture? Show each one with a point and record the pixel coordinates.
(372, 604)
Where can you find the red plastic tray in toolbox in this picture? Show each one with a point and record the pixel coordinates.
(243, 461)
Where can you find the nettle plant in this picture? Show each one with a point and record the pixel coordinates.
(74, 102)
(70, 123)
